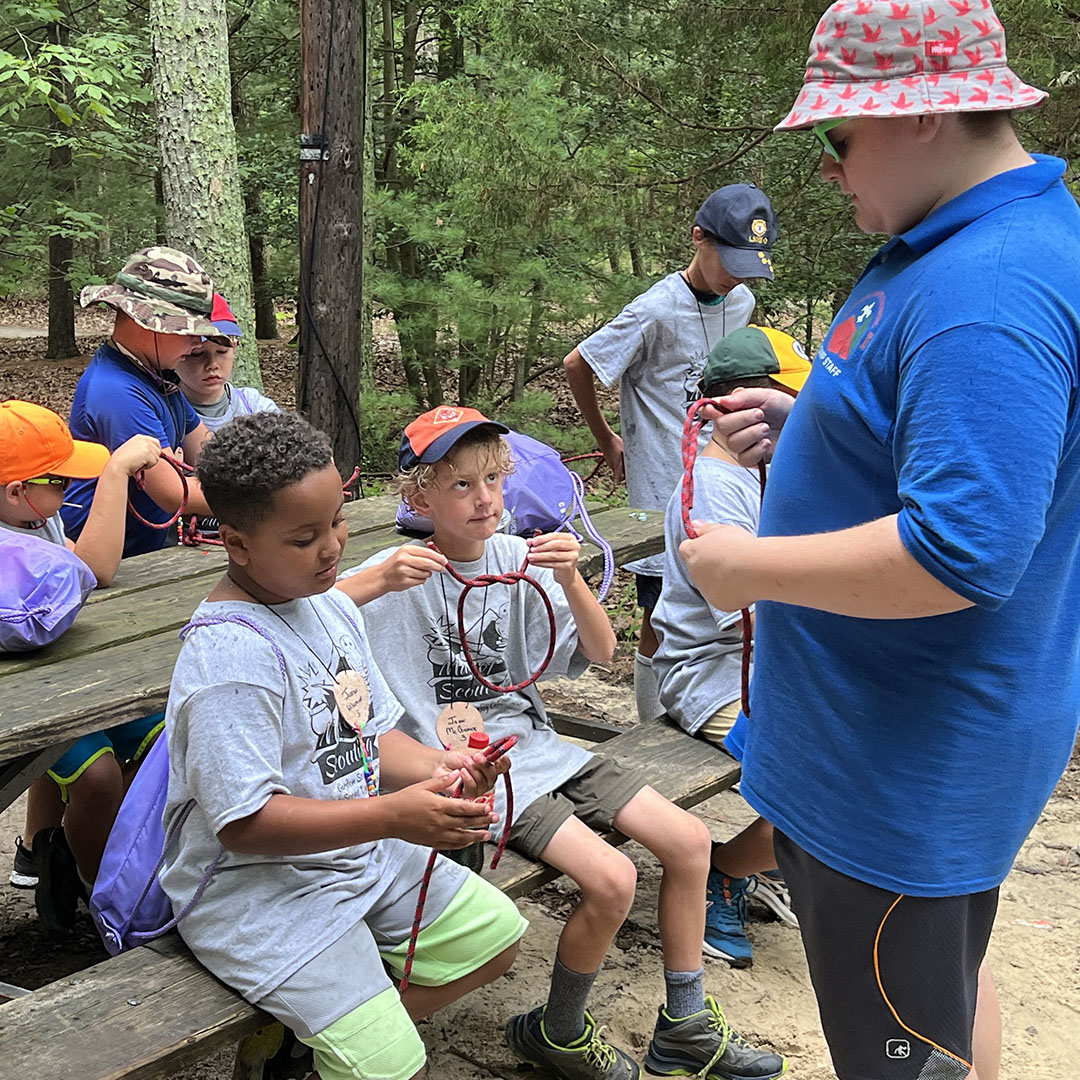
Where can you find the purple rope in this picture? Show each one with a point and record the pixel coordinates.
(594, 536)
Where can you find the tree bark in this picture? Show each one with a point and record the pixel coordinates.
(61, 343)
(331, 224)
(204, 208)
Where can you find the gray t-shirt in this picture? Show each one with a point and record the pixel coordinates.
(699, 662)
(656, 347)
(52, 531)
(418, 649)
(238, 401)
(252, 713)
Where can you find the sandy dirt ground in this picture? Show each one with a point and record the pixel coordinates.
(1035, 951)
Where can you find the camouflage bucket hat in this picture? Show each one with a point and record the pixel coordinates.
(161, 289)
(884, 58)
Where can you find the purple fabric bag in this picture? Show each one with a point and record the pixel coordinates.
(128, 904)
(540, 494)
(42, 588)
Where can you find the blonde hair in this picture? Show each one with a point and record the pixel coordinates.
(490, 445)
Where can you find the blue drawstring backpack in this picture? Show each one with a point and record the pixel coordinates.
(541, 494)
(42, 589)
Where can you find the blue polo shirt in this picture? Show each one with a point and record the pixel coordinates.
(114, 400)
(917, 754)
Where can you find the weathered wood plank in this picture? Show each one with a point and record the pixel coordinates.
(178, 563)
(119, 670)
(162, 608)
(142, 1015)
(632, 534)
(687, 770)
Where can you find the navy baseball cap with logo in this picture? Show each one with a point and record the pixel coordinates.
(741, 220)
(431, 436)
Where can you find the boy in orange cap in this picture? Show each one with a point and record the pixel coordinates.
(38, 460)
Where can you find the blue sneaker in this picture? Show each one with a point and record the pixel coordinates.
(725, 920)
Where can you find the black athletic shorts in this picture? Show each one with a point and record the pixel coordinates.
(648, 590)
(895, 976)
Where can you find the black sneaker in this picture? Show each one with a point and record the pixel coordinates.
(59, 886)
(705, 1045)
(24, 874)
(588, 1057)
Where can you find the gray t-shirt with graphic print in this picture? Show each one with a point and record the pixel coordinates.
(418, 649)
(699, 662)
(252, 713)
(656, 347)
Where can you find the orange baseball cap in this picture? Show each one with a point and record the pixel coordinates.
(35, 442)
(431, 436)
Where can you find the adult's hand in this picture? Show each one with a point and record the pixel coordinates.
(748, 423)
(717, 561)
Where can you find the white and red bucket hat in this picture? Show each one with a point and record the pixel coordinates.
(884, 58)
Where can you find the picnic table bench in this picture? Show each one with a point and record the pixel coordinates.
(154, 1010)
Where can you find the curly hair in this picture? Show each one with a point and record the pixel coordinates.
(490, 445)
(251, 458)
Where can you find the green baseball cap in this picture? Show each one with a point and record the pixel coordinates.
(753, 352)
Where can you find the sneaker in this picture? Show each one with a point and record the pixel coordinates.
(725, 920)
(59, 887)
(770, 890)
(24, 874)
(588, 1057)
(704, 1044)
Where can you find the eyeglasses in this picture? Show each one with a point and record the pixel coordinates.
(834, 148)
(62, 482)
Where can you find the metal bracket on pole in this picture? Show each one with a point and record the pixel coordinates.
(313, 148)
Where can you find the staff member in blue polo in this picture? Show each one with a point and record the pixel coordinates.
(917, 572)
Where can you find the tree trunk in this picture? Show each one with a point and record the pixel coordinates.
(331, 228)
(204, 208)
(61, 344)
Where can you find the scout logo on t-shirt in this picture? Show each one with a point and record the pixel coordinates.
(857, 329)
(451, 677)
(337, 745)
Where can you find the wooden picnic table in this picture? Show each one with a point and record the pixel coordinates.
(115, 662)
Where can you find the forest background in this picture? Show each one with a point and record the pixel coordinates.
(528, 166)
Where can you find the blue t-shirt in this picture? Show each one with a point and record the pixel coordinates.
(113, 401)
(917, 754)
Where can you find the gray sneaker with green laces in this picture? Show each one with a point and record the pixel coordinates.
(588, 1057)
(704, 1044)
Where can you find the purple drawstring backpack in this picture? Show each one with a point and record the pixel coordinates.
(128, 904)
(42, 589)
(541, 493)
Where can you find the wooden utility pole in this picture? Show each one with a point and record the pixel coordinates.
(332, 85)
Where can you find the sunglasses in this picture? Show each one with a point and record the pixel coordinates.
(62, 482)
(834, 148)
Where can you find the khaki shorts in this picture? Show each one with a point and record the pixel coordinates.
(717, 728)
(594, 794)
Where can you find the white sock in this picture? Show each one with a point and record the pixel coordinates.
(646, 692)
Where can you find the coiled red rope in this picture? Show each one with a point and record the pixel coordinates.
(183, 470)
(691, 432)
(482, 581)
(595, 455)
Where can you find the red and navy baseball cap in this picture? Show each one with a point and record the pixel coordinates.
(431, 436)
(223, 319)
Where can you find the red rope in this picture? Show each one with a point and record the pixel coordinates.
(482, 581)
(596, 455)
(691, 431)
(492, 753)
(182, 470)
